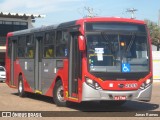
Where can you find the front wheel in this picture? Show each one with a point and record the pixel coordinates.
(21, 91)
(58, 94)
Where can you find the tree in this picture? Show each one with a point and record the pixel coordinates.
(154, 33)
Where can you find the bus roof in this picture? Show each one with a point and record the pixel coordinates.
(112, 19)
(74, 23)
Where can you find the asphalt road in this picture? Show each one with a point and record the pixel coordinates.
(10, 101)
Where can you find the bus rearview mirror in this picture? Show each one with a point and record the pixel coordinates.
(81, 42)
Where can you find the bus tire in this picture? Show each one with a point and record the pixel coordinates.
(21, 91)
(58, 94)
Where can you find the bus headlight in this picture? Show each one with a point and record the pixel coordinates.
(93, 84)
(145, 84)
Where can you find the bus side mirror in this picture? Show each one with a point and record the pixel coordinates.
(81, 42)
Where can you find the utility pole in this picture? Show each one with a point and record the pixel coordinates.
(90, 12)
(132, 11)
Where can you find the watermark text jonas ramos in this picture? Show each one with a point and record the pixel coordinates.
(146, 114)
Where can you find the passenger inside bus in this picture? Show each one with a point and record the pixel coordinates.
(30, 54)
(49, 52)
(127, 49)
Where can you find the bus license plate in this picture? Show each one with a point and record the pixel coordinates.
(120, 98)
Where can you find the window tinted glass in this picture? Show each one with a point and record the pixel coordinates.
(21, 52)
(21, 41)
(49, 38)
(30, 52)
(21, 46)
(115, 26)
(61, 43)
(9, 47)
(30, 46)
(49, 51)
(112, 52)
(48, 45)
(30, 40)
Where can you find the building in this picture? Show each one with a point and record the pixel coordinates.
(10, 22)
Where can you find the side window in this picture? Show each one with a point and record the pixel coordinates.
(61, 43)
(48, 45)
(21, 47)
(30, 46)
(9, 47)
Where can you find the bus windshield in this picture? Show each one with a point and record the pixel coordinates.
(117, 52)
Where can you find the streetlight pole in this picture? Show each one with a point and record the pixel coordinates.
(132, 11)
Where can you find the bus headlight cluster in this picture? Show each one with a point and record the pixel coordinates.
(146, 83)
(93, 84)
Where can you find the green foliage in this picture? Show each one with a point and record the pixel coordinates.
(154, 32)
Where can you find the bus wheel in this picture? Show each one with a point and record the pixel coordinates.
(58, 94)
(21, 87)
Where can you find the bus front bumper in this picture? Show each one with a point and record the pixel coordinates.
(91, 94)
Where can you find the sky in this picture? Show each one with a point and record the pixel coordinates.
(58, 11)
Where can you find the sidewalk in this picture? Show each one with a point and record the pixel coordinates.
(157, 80)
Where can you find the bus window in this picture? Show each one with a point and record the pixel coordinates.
(29, 40)
(49, 38)
(46, 41)
(59, 37)
(21, 41)
(21, 52)
(21, 47)
(61, 43)
(29, 52)
(30, 45)
(9, 47)
(60, 50)
(49, 51)
(48, 46)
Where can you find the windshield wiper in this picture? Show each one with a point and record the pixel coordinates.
(105, 36)
(130, 43)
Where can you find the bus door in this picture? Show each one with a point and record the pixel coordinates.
(13, 59)
(74, 66)
(30, 60)
(38, 62)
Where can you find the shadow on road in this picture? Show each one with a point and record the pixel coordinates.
(96, 106)
(128, 106)
(37, 97)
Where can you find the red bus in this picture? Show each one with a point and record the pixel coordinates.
(90, 59)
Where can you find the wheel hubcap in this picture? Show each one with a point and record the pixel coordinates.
(20, 86)
(60, 95)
